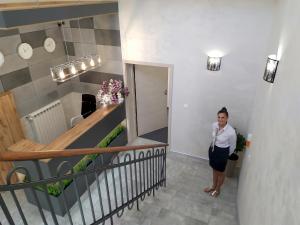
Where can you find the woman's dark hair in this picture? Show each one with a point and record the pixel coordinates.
(223, 110)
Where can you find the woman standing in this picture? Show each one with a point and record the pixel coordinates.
(223, 145)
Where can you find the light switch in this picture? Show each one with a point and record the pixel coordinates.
(185, 106)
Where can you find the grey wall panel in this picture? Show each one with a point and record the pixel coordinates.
(35, 39)
(107, 37)
(86, 23)
(15, 79)
(15, 18)
(98, 77)
(69, 49)
(92, 137)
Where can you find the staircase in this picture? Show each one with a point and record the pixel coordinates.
(94, 192)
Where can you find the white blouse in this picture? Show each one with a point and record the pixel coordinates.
(225, 137)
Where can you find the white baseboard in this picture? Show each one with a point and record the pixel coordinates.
(194, 156)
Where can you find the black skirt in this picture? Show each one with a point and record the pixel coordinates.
(218, 158)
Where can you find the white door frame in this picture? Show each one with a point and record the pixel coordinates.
(130, 102)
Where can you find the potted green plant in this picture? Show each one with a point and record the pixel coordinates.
(233, 158)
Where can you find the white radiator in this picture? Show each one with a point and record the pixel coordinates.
(48, 122)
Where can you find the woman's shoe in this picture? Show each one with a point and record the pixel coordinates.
(215, 193)
(208, 189)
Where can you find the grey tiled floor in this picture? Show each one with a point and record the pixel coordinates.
(181, 202)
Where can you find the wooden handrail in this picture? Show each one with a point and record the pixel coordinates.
(32, 155)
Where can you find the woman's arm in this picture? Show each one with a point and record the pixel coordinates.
(232, 142)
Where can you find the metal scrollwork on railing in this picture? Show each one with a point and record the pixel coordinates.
(111, 182)
(142, 175)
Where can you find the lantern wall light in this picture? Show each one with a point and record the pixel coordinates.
(271, 68)
(214, 63)
(214, 60)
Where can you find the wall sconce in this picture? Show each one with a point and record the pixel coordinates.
(214, 63)
(271, 68)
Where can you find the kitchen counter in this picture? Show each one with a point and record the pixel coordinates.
(86, 134)
(67, 138)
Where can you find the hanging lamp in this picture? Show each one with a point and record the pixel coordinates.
(73, 68)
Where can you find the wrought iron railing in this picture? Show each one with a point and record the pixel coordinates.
(109, 188)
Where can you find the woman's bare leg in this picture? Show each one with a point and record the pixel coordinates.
(215, 182)
(220, 181)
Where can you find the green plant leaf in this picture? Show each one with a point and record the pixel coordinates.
(55, 189)
(240, 143)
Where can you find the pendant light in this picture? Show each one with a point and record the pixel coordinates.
(73, 68)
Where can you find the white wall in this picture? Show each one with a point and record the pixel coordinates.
(182, 33)
(269, 192)
(72, 106)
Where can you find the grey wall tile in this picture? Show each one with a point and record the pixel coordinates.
(24, 108)
(50, 25)
(35, 39)
(82, 36)
(30, 80)
(66, 33)
(44, 85)
(83, 23)
(8, 32)
(107, 37)
(24, 93)
(98, 77)
(36, 103)
(89, 88)
(107, 21)
(108, 52)
(66, 23)
(40, 70)
(15, 79)
(84, 49)
(12, 63)
(74, 23)
(55, 33)
(9, 44)
(76, 86)
(109, 66)
(58, 60)
(86, 88)
(40, 55)
(64, 88)
(69, 48)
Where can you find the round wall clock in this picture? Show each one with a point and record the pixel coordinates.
(25, 51)
(49, 44)
(1, 59)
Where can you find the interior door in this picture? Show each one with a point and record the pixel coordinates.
(151, 98)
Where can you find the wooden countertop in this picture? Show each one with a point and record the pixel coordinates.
(46, 4)
(25, 145)
(66, 138)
